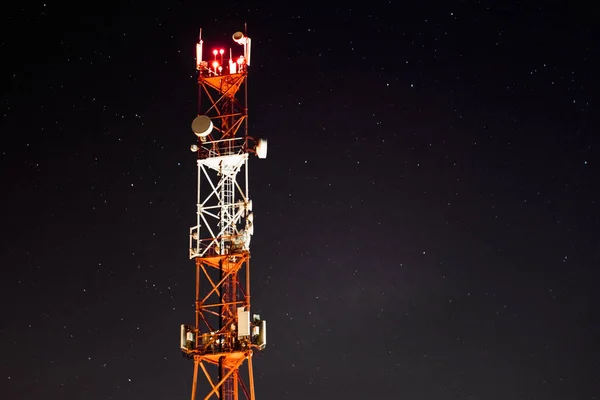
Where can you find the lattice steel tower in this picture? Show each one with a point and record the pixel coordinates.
(224, 336)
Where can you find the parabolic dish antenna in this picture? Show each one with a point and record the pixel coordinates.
(239, 38)
(261, 148)
(202, 126)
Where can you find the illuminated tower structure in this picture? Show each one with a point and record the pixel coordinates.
(224, 336)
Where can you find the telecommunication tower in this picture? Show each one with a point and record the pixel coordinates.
(224, 336)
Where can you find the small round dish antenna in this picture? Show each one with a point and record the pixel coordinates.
(261, 148)
(239, 38)
(202, 126)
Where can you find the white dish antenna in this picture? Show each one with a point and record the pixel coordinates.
(202, 126)
(261, 148)
(239, 38)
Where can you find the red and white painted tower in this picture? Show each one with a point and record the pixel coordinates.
(225, 334)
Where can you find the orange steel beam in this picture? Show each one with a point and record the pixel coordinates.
(212, 385)
(251, 378)
(195, 381)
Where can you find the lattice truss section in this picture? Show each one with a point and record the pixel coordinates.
(224, 223)
(231, 381)
(220, 91)
(226, 115)
(224, 301)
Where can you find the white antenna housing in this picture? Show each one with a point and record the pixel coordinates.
(199, 51)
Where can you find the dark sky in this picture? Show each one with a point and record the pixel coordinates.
(427, 220)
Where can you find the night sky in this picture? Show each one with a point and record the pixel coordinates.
(427, 219)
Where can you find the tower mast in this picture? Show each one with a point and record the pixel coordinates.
(224, 336)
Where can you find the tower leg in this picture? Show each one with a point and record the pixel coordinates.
(235, 384)
(195, 380)
(251, 378)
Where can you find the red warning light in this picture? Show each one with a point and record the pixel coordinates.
(215, 52)
(221, 51)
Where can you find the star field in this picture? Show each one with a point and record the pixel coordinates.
(427, 219)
